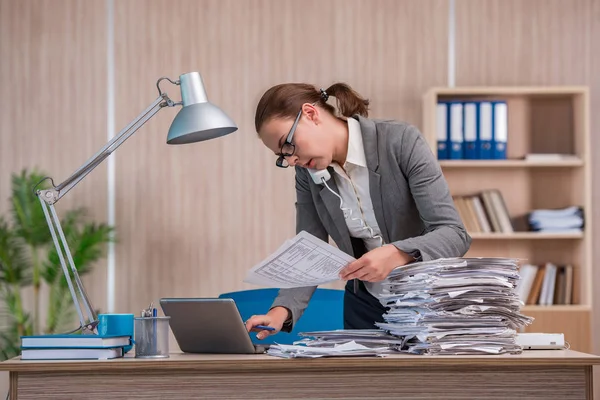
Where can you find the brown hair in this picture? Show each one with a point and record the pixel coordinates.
(285, 100)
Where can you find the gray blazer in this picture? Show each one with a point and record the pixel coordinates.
(412, 203)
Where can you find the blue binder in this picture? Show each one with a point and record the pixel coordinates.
(471, 149)
(455, 123)
(500, 130)
(442, 130)
(486, 130)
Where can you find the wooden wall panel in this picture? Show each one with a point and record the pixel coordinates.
(53, 102)
(193, 219)
(514, 42)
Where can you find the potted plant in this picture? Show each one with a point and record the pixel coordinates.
(29, 263)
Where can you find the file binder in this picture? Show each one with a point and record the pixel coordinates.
(442, 130)
(500, 130)
(456, 130)
(486, 132)
(470, 130)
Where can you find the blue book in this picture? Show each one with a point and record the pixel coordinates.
(471, 147)
(73, 341)
(500, 130)
(486, 130)
(71, 354)
(455, 122)
(442, 130)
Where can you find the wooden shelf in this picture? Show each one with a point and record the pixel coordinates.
(557, 307)
(525, 236)
(544, 122)
(510, 164)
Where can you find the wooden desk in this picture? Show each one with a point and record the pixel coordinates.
(532, 375)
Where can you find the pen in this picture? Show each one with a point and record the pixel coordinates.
(154, 331)
(266, 328)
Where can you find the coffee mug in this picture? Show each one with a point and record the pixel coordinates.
(116, 325)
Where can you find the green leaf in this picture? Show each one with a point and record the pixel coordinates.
(87, 245)
(28, 215)
(15, 262)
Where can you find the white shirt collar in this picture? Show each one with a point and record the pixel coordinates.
(356, 150)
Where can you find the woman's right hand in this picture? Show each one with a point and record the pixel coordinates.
(275, 318)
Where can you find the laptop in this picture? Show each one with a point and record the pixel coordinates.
(209, 325)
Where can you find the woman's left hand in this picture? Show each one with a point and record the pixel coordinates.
(375, 265)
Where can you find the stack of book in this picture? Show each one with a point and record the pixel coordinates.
(72, 347)
(455, 306)
(546, 284)
(472, 130)
(484, 212)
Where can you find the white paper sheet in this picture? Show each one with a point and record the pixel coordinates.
(305, 260)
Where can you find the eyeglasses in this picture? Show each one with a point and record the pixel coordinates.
(288, 148)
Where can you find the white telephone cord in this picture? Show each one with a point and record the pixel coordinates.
(348, 214)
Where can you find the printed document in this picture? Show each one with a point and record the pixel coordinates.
(304, 260)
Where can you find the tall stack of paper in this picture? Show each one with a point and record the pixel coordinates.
(455, 306)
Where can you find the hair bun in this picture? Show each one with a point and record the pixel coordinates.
(324, 95)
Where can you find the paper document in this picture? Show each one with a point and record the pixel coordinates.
(304, 260)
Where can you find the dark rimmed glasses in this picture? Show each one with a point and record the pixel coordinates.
(288, 148)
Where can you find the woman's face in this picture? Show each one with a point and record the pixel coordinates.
(313, 147)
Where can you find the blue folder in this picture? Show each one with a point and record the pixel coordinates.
(470, 117)
(500, 130)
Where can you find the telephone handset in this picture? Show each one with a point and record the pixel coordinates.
(320, 177)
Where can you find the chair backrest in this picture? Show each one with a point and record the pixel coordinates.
(324, 311)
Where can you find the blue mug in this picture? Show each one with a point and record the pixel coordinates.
(116, 325)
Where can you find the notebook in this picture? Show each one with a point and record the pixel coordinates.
(71, 354)
(73, 341)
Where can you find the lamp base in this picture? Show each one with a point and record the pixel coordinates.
(90, 329)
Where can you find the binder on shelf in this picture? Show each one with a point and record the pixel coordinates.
(442, 130)
(500, 130)
(456, 130)
(486, 132)
(470, 111)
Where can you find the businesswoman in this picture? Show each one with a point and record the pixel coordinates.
(398, 208)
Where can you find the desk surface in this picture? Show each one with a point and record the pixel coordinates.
(253, 362)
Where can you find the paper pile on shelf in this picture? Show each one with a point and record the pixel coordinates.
(563, 220)
(455, 306)
(360, 342)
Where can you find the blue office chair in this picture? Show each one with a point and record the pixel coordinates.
(324, 312)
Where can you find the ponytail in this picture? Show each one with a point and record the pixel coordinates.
(284, 101)
(349, 102)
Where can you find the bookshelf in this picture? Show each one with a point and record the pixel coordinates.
(541, 120)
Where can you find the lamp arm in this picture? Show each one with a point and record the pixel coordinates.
(87, 315)
(52, 195)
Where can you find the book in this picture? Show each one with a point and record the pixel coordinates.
(71, 354)
(73, 341)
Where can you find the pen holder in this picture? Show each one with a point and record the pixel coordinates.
(152, 337)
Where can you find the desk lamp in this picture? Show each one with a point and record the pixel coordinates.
(197, 121)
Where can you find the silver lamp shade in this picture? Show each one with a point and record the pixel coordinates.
(199, 119)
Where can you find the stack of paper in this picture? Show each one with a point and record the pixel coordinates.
(563, 220)
(362, 342)
(455, 306)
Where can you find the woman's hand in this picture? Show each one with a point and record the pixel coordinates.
(375, 265)
(274, 318)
